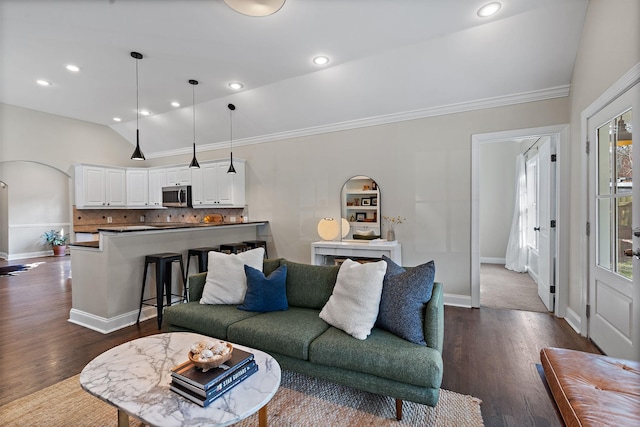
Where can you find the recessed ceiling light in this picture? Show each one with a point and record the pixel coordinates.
(175, 104)
(489, 9)
(145, 112)
(321, 60)
(43, 83)
(236, 85)
(73, 68)
(117, 119)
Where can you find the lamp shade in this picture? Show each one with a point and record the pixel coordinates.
(345, 227)
(328, 228)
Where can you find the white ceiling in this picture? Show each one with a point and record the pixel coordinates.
(390, 60)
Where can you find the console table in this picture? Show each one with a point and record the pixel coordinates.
(355, 248)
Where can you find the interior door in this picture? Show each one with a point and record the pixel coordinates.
(614, 299)
(546, 234)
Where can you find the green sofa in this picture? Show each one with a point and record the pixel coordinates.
(301, 341)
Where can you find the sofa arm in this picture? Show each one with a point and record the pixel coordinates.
(434, 319)
(196, 286)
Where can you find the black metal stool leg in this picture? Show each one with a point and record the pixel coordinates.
(160, 278)
(144, 281)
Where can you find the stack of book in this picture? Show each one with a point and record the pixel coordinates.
(205, 387)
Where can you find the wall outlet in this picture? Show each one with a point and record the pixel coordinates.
(232, 219)
(142, 218)
(168, 218)
(109, 220)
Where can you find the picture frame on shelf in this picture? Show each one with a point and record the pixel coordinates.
(366, 201)
(361, 216)
(374, 201)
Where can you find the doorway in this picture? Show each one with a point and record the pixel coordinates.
(558, 242)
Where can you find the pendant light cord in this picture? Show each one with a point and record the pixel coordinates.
(137, 97)
(193, 86)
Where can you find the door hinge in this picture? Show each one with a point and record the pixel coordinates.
(553, 157)
(588, 229)
(553, 223)
(588, 310)
(587, 146)
(552, 289)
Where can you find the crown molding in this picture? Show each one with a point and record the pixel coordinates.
(481, 104)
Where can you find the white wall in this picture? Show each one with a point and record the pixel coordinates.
(422, 167)
(37, 151)
(497, 198)
(609, 47)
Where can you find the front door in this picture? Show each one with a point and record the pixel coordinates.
(614, 293)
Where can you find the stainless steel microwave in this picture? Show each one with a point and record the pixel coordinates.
(177, 196)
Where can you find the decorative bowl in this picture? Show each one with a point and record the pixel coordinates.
(212, 362)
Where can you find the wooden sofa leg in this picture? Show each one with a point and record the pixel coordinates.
(399, 409)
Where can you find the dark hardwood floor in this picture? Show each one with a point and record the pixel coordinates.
(488, 353)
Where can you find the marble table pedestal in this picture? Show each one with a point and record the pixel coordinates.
(135, 376)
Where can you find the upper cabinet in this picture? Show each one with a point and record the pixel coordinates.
(157, 180)
(212, 186)
(98, 186)
(107, 187)
(137, 187)
(179, 175)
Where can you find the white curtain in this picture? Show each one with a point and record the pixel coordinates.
(516, 258)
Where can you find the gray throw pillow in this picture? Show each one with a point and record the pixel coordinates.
(404, 295)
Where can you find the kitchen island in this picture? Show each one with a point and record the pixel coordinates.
(107, 274)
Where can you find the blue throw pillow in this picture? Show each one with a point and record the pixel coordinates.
(404, 295)
(265, 293)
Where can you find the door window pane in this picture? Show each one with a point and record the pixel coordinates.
(604, 233)
(604, 159)
(623, 239)
(624, 148)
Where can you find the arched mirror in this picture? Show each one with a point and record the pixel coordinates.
(360, 206)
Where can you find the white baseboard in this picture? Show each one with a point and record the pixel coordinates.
(573, 319)
(12, 257)
(457, 300)
(487, 260)
(108, 325)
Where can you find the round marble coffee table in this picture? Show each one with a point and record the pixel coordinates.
(135, 376)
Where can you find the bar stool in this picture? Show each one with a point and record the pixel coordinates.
(163, 281)
(257, 244)
(234, 248)
(203, 258)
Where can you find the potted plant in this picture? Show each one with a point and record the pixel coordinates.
(57, 240)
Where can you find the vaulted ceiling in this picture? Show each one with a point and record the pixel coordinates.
(389, 60)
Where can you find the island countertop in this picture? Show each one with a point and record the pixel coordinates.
(108, 274)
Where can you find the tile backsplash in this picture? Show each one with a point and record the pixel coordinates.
(89, 220)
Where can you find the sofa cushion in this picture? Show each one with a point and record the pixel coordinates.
(226, 282)
(382, 354)
(592, 389)
(309, 286)
(404, 295)
(265, 293)
(286, 332)
(211, 320)
(353, 305)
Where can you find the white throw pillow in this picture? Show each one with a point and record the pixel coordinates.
(353, 305)
(226, 282)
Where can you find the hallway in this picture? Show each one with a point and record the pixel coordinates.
(506, 289)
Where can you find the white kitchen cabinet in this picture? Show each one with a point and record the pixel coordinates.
(212, 186)
(180, 175)
(98, 186)
(137, 187)
(157, 180)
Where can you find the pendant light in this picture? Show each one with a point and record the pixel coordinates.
(137, 153)
(231, 108)
(194, 162)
